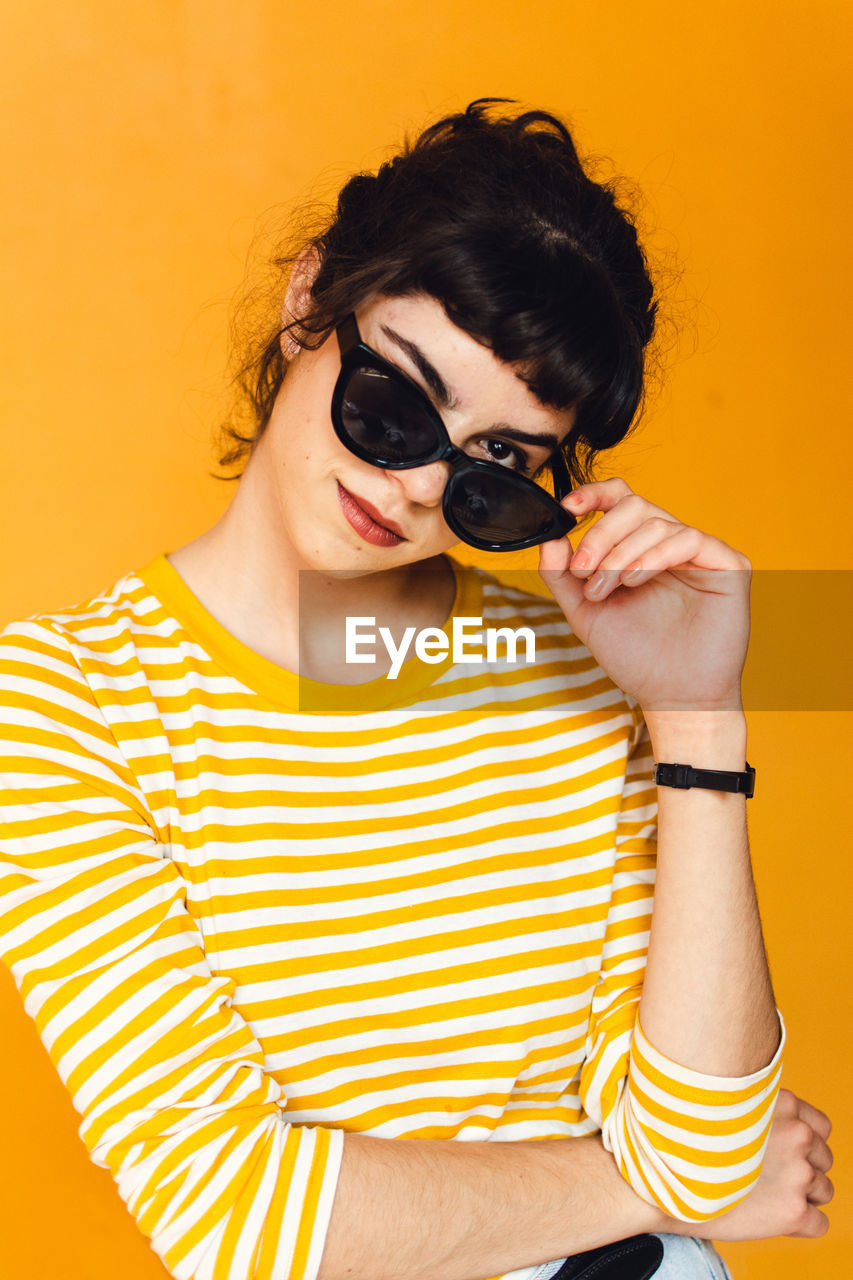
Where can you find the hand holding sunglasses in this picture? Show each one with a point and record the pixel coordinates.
(663, 607)
(384, 418)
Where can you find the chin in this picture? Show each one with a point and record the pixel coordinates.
(340, 559)
(344, 575)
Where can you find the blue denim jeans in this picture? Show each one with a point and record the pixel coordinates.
(686, 1258)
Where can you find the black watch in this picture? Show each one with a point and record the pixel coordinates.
(685, 776)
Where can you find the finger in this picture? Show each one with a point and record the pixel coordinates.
(555, 556)
(821, 1190)
(668, 553)
(820, 1156)
(812, 1225)
(554, 560)
(687, 547)
(598, 496)
(787, 1104)
(818, 1120)
(617, 523)
(633, 551)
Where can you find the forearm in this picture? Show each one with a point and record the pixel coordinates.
(707, 998)
(442, 1210)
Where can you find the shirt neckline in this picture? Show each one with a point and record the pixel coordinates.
(286, 689)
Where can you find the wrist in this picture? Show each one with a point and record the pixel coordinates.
(679, 1227)
(705, 739)
(616, 1209)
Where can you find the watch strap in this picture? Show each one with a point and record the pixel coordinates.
(684, 776)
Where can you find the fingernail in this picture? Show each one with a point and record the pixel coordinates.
(630, 574)
(596, 584)
(581, 560)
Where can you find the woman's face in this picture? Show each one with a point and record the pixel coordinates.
(340, 513)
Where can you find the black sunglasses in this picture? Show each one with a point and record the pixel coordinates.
(385, 418)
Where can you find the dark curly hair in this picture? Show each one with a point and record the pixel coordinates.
(492, 214)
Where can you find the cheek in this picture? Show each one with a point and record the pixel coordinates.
(439, 537)
(305, 453)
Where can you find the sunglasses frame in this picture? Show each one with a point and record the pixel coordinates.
(356, 354)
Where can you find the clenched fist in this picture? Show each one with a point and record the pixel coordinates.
(793, 1182)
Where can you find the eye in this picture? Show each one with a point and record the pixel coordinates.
(505, 455)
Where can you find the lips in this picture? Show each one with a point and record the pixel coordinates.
(369, 523)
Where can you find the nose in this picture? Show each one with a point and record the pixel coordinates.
(424, 485)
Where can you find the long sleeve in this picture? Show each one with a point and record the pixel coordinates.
(688, 1142)
(96, 928)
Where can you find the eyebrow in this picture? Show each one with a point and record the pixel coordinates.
(443, 395)
(428, 371)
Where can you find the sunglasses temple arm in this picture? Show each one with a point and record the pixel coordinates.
(562, 479)
(562, 488)
(348, 335)
(562, 485)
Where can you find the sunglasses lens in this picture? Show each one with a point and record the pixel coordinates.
(384, 420)
(498, 509)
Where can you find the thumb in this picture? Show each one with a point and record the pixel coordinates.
(554, 557)
(554, 561)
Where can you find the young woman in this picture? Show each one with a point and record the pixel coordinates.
(275, 907)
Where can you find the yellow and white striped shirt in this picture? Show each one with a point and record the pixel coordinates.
(419, 910)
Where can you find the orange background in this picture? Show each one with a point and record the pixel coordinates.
(144, 139)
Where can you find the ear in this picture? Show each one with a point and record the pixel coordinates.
(297, 299)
